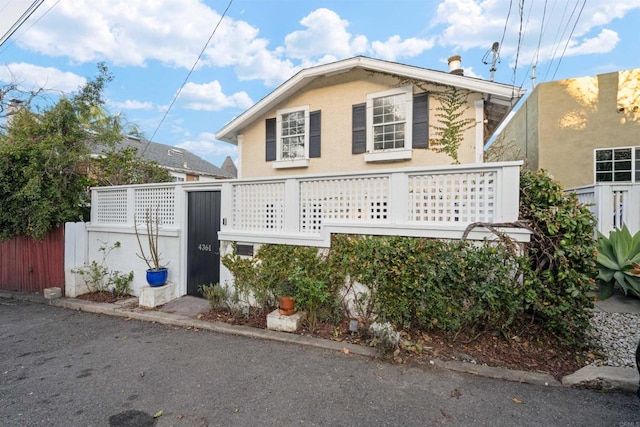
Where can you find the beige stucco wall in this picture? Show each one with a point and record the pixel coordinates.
(575, 117)
(334, 96)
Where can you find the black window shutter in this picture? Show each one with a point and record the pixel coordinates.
(359, 128)
(270, 125)
(314, 134)
(420, 121)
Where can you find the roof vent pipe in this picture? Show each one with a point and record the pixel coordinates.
(455, 65)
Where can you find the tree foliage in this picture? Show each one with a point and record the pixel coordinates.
(45, 160)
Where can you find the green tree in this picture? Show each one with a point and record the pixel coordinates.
(45, 163)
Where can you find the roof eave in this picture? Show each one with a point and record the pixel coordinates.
(230, 131)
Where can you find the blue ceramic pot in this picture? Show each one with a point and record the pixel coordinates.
(157, 278)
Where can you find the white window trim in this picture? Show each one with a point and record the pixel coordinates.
(633, 163)
(394, 154)
(281, 163)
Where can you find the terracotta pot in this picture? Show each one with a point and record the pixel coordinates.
(287, 306)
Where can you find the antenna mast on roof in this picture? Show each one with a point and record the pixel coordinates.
(495, 58)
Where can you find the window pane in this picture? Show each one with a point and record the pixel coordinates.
(604, 177)
(388, 121)
(622, 154)
(623, 166)
(602, 166)
(622, 176)
(292, 132)
(604, 155)
(388, 109)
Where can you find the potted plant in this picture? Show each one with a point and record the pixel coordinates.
(286, 291)
(156, 273)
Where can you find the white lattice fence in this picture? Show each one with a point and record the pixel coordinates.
(110, 206)
(362, 199)
(258, 206)
(461, 197)
(154, 201)
(121, 205)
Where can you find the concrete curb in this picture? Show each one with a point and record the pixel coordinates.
(593, 377)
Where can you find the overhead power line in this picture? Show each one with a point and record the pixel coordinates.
(569, 39)
(31, 25)
(187, 78)
(25, 15)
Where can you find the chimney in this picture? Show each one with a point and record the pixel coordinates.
(454, 65)
(12, 108)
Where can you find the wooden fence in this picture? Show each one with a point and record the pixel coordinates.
(27, 265)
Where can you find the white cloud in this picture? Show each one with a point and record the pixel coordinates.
(33, 77)
(395, 47)
(325, 33)
(205, 145)
(131, 104)
(604, 42)
(478, 23)
(123, 32)
(209, 97)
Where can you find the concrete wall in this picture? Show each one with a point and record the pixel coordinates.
(334, 96)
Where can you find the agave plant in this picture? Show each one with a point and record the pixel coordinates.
(619, 262)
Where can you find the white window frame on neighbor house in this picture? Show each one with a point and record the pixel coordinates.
(372, 154)
(295, 162)
(634, 162)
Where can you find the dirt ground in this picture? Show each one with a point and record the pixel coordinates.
(527, 350)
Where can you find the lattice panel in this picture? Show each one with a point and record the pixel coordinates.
(110, 207)
(157, 200)
(258, 207)
(466, 198)
(343, 199)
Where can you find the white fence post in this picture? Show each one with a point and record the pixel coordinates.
(76, 256)
(509, 187)
(291, 206)
(399, 198)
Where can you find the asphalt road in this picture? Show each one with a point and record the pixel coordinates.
(66, 368)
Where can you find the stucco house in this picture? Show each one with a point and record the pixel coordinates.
(585, 132)
(582, 130)
(363, 114)
(341, 148)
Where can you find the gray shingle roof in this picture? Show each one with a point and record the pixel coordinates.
(173, 158)
(229, 167)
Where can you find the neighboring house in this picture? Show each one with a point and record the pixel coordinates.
(363, 114)
(181, 164)
(583, 130)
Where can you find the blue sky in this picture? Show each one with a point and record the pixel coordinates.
(151, 45)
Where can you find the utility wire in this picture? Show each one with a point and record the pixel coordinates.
(515, 66)
(186, 78)
(30, 25)
(569, 38)
(529, 67)
(556, 40)
(504, 31)
(25, 15)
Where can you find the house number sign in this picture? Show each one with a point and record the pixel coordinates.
(204, 247)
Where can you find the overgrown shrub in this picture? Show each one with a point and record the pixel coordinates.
(433, 284)
(561, 266)
(258, 277)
